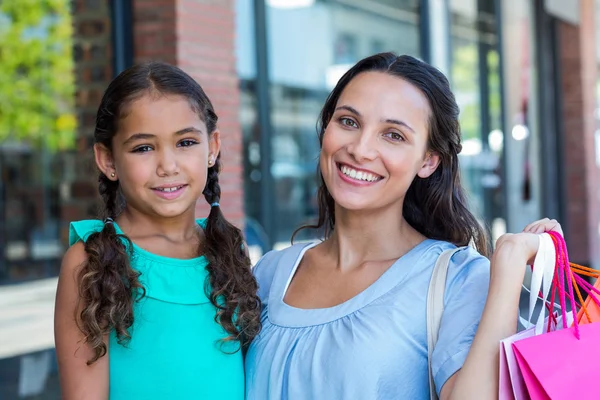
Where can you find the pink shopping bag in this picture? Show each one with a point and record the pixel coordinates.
(555, 365)
(512, 385)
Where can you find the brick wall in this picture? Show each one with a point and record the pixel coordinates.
(578, 76)
(93, 72)
(198, 36)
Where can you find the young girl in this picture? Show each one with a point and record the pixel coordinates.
(151, 303)
(345, 318)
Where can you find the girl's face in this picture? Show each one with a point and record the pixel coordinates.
(376, 142)
(160, 155)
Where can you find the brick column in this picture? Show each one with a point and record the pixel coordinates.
(198, 36)
(578, 79)
(92, 52)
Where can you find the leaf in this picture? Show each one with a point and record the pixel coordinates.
(37, 85)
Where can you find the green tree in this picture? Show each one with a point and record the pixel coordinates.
(36, 73)
(465, 84)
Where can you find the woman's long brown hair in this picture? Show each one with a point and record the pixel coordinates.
(435, 206)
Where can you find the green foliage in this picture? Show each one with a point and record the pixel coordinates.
(465, 84)
(36, 73)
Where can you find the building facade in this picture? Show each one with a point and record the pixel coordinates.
(525, 74)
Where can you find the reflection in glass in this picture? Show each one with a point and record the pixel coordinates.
(304, 65)
(37, 123)
(476, 83)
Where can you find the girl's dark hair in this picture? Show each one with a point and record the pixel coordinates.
(435, 206)
(108, 284)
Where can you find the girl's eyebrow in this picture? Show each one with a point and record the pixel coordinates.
(139, 136)
(146, 136)
(189, 129)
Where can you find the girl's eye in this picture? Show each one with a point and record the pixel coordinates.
(348, 122)
(187, 143)
(395, 136)
(142, 149)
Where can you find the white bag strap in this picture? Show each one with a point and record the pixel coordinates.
(435, 308)
(541, 279)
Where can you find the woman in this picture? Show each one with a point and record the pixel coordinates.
(345, 318)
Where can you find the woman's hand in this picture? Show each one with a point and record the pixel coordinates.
(524, 245)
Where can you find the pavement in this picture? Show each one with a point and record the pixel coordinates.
(27, 317)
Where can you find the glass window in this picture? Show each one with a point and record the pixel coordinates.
(37, 125)
(55, 61)
(521, 145)
(304, 65)
(475, 79)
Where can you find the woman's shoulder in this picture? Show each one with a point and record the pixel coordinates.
(461, 255)
(277, 260)
(466, 265)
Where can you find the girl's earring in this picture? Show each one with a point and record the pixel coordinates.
(112, 174)
(210, 162)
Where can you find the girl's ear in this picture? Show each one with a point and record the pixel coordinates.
(105, 161)
(214, 147)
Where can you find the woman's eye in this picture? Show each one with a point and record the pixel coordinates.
(187, 143)
(395, 136)
(142, 149)
(348, 122)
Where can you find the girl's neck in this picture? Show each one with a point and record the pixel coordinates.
(180, 228)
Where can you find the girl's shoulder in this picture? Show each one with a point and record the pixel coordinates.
(80, 231)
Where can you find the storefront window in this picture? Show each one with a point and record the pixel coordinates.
(37, 126)
(56, 58)
(475, 79)
(522, 156)
(310, 45)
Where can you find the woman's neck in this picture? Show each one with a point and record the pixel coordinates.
(375, 235)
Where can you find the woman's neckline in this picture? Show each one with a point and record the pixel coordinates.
(281, 313)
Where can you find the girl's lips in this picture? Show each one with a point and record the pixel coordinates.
(171, 194)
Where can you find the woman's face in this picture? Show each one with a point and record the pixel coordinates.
(376, 142)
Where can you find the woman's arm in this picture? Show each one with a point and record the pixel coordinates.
(479, 376)
(77, 379)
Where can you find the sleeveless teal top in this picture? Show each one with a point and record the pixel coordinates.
(174, 352)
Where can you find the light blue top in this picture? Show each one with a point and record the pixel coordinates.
(174, 352)
(373, 346)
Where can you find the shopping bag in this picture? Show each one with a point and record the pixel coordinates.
(593, 310)
(511, 384)
(554, 364)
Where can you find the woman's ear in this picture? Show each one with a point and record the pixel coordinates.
(430, 164)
